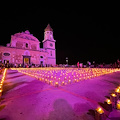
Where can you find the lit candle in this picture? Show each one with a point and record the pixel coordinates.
(42, 79)
(117, 90)
(114, 95)
(118, 105)
(65, 78)
(56, 84)
(63, 82)
(99, 110)
(99, 114)
(113, 99)
(45, 80)
(69, 81)
(118, 87)
(108, 105)
(49, 82)
(108, 101)
(0, 92)
(75, 80)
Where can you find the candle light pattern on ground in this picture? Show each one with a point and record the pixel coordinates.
(63, 76)
(2, 80)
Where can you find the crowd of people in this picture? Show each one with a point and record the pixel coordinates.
(103, 65)
(78, 65)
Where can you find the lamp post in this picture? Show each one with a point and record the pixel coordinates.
(67, 60)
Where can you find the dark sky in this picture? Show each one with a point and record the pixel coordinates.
(82, 33)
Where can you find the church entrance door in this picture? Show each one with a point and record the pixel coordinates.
(26, 60)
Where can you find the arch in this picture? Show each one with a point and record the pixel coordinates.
(27, 53)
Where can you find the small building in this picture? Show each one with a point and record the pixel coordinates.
(24, 48)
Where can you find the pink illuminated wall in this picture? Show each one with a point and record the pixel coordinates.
(25, 44)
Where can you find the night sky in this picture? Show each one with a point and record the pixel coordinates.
(81, 33)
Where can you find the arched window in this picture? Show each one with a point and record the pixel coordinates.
(26, 45)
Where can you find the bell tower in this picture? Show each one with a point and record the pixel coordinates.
(49, 45)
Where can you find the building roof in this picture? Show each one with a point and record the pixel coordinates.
(48, 28)
(25, 35)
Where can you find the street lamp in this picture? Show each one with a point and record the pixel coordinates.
(67, 60)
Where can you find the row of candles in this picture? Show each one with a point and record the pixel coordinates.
(64, 76)
(2, 81)
(113, 102)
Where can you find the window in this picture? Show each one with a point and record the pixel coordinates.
(51, 44)
(51, 53)
(6, 54)
(26, 45)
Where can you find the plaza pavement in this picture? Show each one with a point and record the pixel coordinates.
(26, 98)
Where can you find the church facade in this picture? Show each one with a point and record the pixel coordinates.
(24, 49)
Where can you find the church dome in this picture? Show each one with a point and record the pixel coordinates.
(48, 28)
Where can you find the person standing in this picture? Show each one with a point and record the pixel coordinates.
(78, 64)
(118, 62)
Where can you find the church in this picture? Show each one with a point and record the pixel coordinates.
(24, 49)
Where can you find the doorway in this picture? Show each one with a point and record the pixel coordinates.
(41, 63)
(26, 60)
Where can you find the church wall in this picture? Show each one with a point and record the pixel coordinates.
(3, 57)
(16, 55)
(25, 48)
(47, 43)
(52, 61)
(51, 53)
(21, 43)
